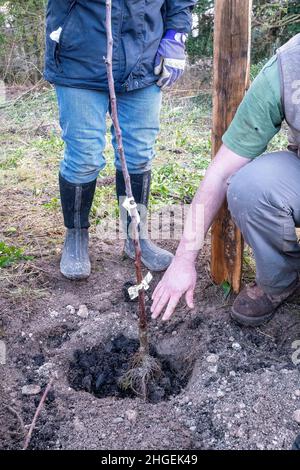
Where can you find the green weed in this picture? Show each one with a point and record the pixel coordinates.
(53, 204)
(10, 254)
(12, 159)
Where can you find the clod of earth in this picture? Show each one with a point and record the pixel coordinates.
(83, 311)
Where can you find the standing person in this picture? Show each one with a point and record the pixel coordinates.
(149, 55)
(263, 196)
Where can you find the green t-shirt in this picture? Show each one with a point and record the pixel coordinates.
(259, 116)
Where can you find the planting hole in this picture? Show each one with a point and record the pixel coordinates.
(99, 369)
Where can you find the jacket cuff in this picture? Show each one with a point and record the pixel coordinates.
(181, 22)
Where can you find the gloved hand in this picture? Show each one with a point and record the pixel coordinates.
(170, 58)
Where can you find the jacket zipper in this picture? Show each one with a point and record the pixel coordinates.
(120, 32)
(64, 28)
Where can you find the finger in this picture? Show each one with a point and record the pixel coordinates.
(169, 77)
(171, 307)
(178, 75)
(161, 82)
(166, 72)
(160, 305)
(175, 74)
(181, 72)
(189, 298)
(157, 289)
(158, 65)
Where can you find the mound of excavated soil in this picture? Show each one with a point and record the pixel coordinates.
(223, 386)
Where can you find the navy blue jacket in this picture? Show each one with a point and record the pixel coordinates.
(138, 26)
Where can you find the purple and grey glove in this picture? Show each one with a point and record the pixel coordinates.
(170, 59)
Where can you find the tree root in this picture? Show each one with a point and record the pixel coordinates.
(143, 370)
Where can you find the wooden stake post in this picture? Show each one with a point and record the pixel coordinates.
(232, 39)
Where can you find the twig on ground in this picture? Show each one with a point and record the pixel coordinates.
(44, 271)
(264, 334)
(36, 415)
(19, 418)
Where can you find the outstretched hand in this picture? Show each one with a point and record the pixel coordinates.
(179, 279)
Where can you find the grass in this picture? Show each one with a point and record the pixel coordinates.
(11, 159)
(174, 182)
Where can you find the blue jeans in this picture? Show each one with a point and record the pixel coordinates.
(83, 122)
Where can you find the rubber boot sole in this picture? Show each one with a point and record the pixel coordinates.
(72, 277)
(75, 276)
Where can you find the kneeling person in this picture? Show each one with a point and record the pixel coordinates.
(263, 196)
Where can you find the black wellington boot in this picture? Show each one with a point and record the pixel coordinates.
(76, 201)
(153, 257)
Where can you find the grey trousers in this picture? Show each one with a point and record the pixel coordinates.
(264, 200)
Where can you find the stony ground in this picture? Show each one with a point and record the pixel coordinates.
(240, 386)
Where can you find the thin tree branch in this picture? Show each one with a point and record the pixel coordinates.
(134, 215)
(37, 413)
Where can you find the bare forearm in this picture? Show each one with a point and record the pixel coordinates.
(207, 202)
(180, 277)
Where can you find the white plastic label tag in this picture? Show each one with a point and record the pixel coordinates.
(55, 35)
(134, 290)
(129, 204)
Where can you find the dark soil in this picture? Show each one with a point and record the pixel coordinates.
(223, 386)
(100, 369)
